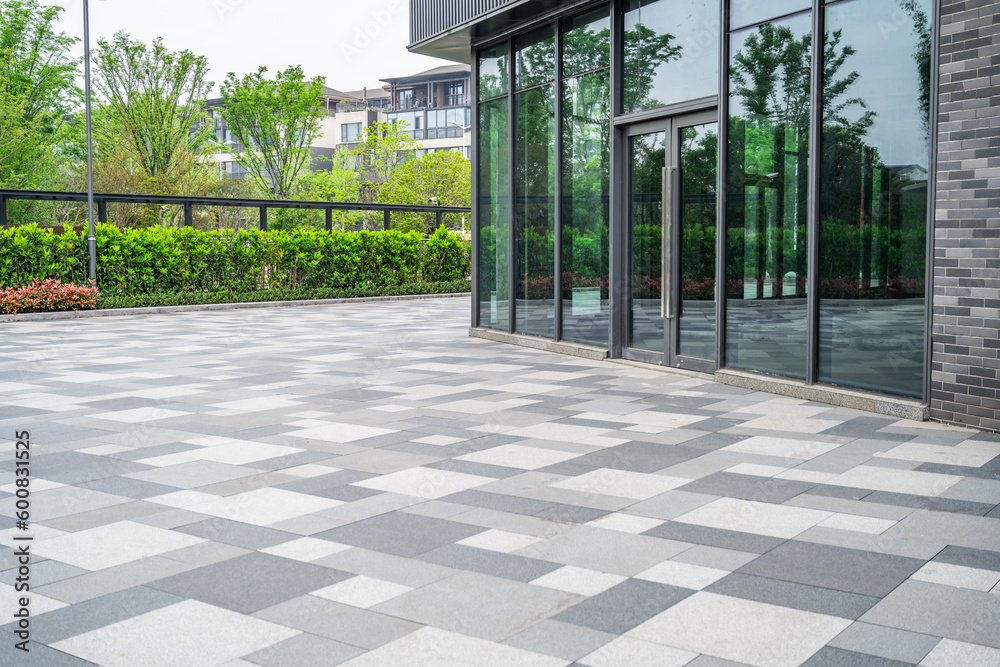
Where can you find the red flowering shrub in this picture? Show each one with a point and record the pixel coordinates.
(44, 296)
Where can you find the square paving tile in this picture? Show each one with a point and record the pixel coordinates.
(434, 646)
(235, 533)
(478, 605)
(113, 544)
(622, 483)
(399, 533)
(749, 516)
(750, 632)
(794, 595)
(883, 642)
(862, 572)
(626, 652)
(303, 649)
(519, 456)
(562, 640)
(508, 566)
(362, 591)
(622, 607)
(264, 506)
(250, 583)
(426, 483)
(187, 633)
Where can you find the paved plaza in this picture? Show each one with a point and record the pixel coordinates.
(365, 485)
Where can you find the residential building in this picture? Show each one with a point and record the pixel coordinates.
(798, 196)
(434, 107)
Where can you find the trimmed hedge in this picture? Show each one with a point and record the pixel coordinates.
(151, 260)
(191, 298)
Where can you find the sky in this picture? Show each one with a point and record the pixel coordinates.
(353, 43)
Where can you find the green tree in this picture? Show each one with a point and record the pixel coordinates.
(156, 96)
(275, 121)
(444, 178)
(384, 147)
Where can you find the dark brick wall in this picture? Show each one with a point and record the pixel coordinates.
(965, 377)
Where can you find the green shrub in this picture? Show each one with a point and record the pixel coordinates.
(447, 256)
(31, 253)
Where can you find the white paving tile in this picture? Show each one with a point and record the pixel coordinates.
(622, 483)
(749, 516)
(745, 631)
(755, 469)
(858, 524)
(433, 647)
(964, 454)
(789, 448)
(951, 653)
(896, 481)
(184, 498)
(626, 523)
(306, 549)
(500, 540)
(629, 652)
(189, 633)
(439, 440)
(309, 470)
(427, 483)
(339, 433)
(258, 404)
(362, 591)
(559, 432)
(581, 581)
(136, 415)
(112, 544)
(685, 575)
(958, 576)
(37, 604)
(519, 456)
(263, 507)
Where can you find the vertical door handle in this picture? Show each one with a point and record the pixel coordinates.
(667, 305)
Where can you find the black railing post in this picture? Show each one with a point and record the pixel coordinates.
(3, 211)
(263, 218)
(329, 219)
(440, 220)
(102, 211)
(386, 219)
(188, 214)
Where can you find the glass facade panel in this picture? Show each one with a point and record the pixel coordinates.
(534, 210)
(671, 52)
(647, 158)
(493, 72)
(699, 168)
(586, 42)
(748, 12)
(494, 215)
(586, 163)
(535, 60)
(767, 208)
(873, 195)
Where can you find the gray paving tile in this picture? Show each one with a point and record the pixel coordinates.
(342, 623)
(622, 607)
(304, 649)
(849, 570)
(128, 487)
(977, 558)
(960, 614)
(838, 657)
(250, 583)
(473, 468)
(715, 537)
(562, 640)
(43, 572)
(321, 483)
(640, 456)
(400, 534)
(889, 643)
(747, 487)
(236, 533)
(936, 504)
(39, 654)
(794, 595)
(507, 566)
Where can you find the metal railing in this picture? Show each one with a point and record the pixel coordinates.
(432, 17)
(263, 205)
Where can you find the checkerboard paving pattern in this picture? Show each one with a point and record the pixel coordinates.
(364, 484)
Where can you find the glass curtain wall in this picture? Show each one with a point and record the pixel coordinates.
(494, 189)
(586, 163)
(535, 182)
(873, 194)
(768, 203)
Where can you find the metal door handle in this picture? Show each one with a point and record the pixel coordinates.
(667, 306)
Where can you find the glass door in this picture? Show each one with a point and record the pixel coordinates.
(672, 205)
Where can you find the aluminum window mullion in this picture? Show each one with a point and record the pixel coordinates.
(722, 165)
(812, 223)
(932, 142)
(511, 193)
(557, 189)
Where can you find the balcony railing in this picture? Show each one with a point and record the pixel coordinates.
(432, 17)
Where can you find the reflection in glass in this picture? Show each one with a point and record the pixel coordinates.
(586, 42)
(535, 58)
(494, 217)
(748, 12)
(585, 168)
(647, 157)
(671, 52)
(699, 151)
(873, 195)
(534, 210)
(493, 72)
(767, 208)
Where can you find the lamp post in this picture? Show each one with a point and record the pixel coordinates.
(91, 238)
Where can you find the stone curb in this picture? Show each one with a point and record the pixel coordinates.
(157, 310)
